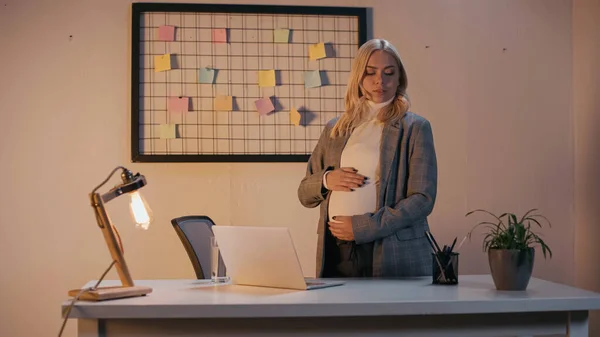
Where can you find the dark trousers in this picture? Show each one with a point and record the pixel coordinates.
(346, 258)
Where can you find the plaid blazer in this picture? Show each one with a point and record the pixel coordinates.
(406, 196)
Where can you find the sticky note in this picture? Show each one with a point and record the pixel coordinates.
(264, 106)
(312, 79)
(223, 103)
(168, 131)
(317, 51)
(179, 104)
(166, 33)
(295, 117)
(281, 35)
(207, 75)
(219, 35)
(266, 78)
(162, 62)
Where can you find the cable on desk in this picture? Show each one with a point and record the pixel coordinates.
(67, 311)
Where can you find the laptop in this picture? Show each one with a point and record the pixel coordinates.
(265, 257)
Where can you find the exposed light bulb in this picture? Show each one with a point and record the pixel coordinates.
(141, 212)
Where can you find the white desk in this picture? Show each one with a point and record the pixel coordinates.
(409, 307)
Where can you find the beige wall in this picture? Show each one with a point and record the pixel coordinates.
(586, 112)
(502, 122)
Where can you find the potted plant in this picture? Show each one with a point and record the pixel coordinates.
(509, 244)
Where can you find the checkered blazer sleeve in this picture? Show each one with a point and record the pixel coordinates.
(420, 197)
(311, 191)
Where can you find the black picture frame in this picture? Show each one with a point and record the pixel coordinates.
(139, 8)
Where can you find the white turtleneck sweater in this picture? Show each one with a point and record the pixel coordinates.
(362, 153)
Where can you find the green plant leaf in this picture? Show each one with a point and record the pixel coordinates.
(534, 220)
(510, 232)
(514, 219)
(541, 216)
(488, 212)
(527, 214)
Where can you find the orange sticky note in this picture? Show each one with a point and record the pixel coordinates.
(266, 78)
(219, 35)
(162, 62)
(166, 33)
(223, 103)
(264, 106)
(317, 51)
(295, 117)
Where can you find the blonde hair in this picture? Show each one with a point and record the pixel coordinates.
(356, 101)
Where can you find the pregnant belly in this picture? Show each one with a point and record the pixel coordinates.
(360, 201)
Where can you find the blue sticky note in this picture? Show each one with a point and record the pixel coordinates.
(207, 75)
(312, 79)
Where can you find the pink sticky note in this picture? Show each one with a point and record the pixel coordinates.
(166, 33)
(219, 35)
(264, 106)
(179, 104)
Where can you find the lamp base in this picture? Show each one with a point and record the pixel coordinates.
(111, 293)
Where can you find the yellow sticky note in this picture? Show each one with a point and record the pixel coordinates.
(266, 78)
(317, 51)
(224, 103)
(168, 131)
(295, 117)
(281, 35)
(162, 62)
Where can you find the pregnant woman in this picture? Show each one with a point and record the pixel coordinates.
(373, 173)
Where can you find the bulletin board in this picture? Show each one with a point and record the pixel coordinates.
(238, 83)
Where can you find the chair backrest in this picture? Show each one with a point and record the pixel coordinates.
(195, 232)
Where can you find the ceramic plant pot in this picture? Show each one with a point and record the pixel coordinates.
(511, 268)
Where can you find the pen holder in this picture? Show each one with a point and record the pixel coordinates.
(448, 263)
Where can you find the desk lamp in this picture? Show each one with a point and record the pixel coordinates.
(142, 217)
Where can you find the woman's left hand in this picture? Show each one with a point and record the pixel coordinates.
(341, 228)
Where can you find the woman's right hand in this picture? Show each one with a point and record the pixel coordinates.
(344, 179)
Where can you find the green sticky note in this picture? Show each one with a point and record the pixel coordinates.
(207, 75)
(312, 79)
(281, 35)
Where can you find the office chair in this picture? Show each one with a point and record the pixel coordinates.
(195, 232)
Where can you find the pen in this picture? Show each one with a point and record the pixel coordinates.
(453, 243)
(457, 249)
(434, 242)
(461, 243)
(430, 239)
(435, 255)
(442, 273)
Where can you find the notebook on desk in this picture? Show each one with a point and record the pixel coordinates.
(265, 257)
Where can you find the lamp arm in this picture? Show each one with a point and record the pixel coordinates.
(110, 233)
(101, 224)
(113, 240)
